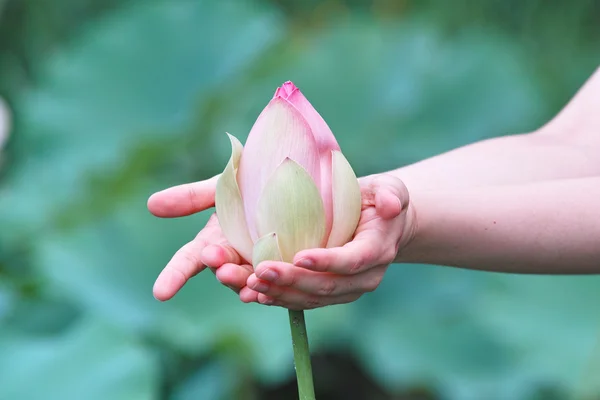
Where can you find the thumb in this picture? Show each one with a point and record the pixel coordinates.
(391, 196)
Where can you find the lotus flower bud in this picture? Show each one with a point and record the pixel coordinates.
(290, 188)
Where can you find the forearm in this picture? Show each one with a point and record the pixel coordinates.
(547, 227)
(500, 161)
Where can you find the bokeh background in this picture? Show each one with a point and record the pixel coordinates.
(111, 100)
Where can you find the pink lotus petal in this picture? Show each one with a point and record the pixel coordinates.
(347, 201)
(285, 90)
(325, 139)
(280, 132)
(326, 189)
(326, 143)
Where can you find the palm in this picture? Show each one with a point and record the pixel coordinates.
(336, 275)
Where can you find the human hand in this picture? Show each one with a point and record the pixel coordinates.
(208, 248)
(337, 275)
(321, 277)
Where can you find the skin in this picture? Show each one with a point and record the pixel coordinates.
(526, 203)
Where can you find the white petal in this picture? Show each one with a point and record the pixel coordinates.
(291, 206)
(228, 202)
(347, 201)
(266, 249)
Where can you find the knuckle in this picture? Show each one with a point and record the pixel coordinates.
(373, 283)
(362, 259)
(191, 192)
(275, 292)
(313, 302)
(175, 271)
(397, 247)
(292, 279)
(390, 254)
(357, 264)
(189, 257)
(200, 239)
(328, 288)
(202, 243)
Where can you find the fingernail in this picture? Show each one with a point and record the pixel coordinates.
(260, 287)
(305, 263)
(268, 275)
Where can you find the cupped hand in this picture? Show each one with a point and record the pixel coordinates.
(318, 277)
(321, 277)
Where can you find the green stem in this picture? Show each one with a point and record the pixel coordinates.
(306, 389)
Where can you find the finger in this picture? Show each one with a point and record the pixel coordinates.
(185, 264)
(264, 287)
(215, 255)
(387, 193)
(234, 276)
(387, 204)
(350, 259)
(182, 200)
(248, 295)
(270, 277)
(293, 300)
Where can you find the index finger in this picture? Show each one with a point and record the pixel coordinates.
(182, 200)
(354, 257)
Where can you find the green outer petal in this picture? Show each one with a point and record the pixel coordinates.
(266, 249)
(229, 205)
(347, 201)
(291, 206)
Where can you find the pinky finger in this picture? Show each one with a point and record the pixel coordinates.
(248, 295)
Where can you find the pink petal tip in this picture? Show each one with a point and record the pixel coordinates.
(285, 90)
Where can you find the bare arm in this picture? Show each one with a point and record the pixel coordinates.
(567, 147)
(523, 203)
(546, 227)
(526, 203)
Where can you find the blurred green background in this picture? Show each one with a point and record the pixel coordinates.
(112, 100)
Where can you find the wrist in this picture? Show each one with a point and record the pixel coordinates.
(408, 244)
